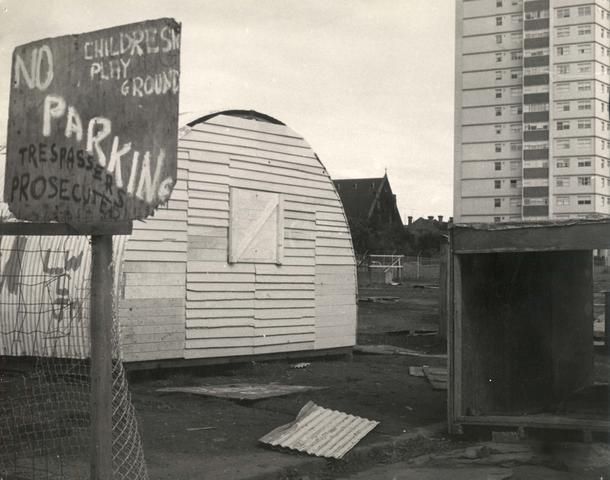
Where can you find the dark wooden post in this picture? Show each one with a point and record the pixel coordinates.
(607, 320)
(101, 357)
(443, 291)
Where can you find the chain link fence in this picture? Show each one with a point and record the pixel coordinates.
(388, 269)
(45, 383)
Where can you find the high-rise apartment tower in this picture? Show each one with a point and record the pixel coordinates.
(532, 127)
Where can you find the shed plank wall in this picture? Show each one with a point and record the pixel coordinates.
(178, 297)
(244, 309)
(153, 281)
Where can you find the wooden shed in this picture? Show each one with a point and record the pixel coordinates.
(520, 329)
(251, 256)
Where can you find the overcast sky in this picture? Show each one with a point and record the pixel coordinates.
(368, 83)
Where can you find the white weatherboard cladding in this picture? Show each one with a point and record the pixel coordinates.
(153, 283)
(291, 285)
(253, 223)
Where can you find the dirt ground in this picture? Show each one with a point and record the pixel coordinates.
(398, 323)
(187, 436)
(376, 387)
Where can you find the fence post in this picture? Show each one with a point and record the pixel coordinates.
(607, 320)
(443, 288)
(101, 357)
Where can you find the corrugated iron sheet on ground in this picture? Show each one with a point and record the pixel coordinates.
(242, 391)
(321, 432)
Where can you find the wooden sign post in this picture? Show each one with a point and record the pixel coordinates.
(101, 356)
(92, 143)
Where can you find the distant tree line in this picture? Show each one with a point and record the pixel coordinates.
(396, 239)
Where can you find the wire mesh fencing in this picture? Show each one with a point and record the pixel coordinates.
(45, 387)
(421, 268)
(392, 269)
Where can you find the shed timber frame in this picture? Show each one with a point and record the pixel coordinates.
(520, 323)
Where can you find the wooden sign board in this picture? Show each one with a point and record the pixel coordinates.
(93, 124)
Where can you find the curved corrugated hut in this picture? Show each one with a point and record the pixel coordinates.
(252, 255)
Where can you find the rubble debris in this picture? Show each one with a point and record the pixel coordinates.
(300, 365)
(448, 473)
(486, 453)
(321, 432)
(379, 299)
(503, 474)
(419, 332)
(437, 376)
(197, 429)
(511, 436)
(416, 371)
(599, 327)
(480, 451)
(422, 332)
(242, 391)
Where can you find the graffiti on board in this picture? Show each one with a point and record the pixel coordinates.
(93, 122)
(43, 296)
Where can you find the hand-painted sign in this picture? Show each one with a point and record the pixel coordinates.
(93, 124)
